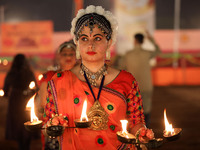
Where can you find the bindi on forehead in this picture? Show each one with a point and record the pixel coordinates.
(87, 31)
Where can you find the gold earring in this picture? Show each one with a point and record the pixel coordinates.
(78, 56)
(108, 54)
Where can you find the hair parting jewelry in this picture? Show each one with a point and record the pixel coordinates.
(95, 15)
(89, 20)
(94, 76)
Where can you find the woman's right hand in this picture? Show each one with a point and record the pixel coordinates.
(144, 134)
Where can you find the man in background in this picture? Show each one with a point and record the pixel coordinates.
(137, 62)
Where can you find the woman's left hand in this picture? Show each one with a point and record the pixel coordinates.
(144, 134)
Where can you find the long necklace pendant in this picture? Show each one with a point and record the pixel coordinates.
(98, 116)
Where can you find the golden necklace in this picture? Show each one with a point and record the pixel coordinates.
(97, 113)
(94, 76)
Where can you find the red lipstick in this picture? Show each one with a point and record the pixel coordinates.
(91, 53)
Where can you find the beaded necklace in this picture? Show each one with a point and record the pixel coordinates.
(94, 76)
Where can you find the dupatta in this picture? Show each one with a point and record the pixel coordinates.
(68, 94)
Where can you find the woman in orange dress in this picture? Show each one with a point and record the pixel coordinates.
(112, 95)
(65, 60)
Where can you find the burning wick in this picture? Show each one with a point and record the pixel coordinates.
(1, 92)
(169, 130)
(124, 125)
(40, 77)
(124, 131)
(83, 115)
(32, 85)
(83, 122)
(170, 133)
(30, 106)
(123, 136)
(34, 124)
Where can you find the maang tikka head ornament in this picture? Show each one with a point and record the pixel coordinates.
(95, 15)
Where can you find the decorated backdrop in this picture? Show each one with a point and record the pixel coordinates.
(26, 37)
(133, 16)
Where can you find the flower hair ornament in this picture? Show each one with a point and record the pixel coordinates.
(95, 15)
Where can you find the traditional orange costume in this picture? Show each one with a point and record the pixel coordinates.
(121, 99)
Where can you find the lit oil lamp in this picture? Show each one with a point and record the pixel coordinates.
(123, 136)
(170, 133)
(1, 93)
(31, 90)
(83, 122)
(34, 124)
(32, 85)
(5, 62)
(40, 77)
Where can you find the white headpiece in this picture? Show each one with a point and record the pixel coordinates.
(100, 11)
(68, 44)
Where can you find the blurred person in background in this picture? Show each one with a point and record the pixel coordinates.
(65, 60)
(137, 62)
(16, 87)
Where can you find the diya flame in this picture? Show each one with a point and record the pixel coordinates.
(32, 85)
(30, 106)
(40, 77)
(1, 92)
(83, 114)
(169, 130)
(124, 126)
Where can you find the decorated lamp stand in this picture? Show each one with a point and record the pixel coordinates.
(125, 137)
(170, 134)
(83, 122)
(55, 130)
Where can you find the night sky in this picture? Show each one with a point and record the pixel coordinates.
(60, 11)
